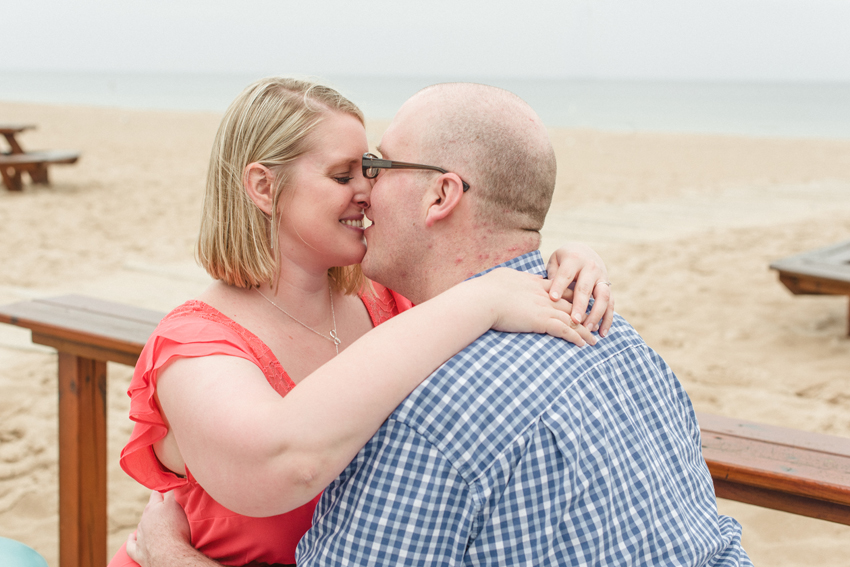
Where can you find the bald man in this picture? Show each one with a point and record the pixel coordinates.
(522, 449)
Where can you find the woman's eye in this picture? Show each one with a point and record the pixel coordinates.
(343, 180)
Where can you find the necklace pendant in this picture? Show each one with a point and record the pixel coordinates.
(334, 337)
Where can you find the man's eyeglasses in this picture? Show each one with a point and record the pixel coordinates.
(372, 164)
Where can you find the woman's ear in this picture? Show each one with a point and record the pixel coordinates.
(443, 197)
(258, 181)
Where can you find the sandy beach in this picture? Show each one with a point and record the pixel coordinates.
(686, 223)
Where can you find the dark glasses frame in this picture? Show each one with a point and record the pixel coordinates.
(372, 163)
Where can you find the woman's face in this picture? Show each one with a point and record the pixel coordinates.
(321, 226)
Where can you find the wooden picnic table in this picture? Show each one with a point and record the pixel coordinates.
(17, 161)
(824, 271)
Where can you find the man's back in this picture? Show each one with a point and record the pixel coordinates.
(523, 449)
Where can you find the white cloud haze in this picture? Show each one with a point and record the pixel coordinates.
(730, 40)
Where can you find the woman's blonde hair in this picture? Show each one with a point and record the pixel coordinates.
(270, 123)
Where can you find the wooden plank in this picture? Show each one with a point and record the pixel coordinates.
(785, 469)
(93, 305)
(828, 511)
(831, 263)
(34, 163)
(27, 159)
(813, 285)
(15, 128)
(82, 462)
(87, 350)
(81, 320)
(774, 434)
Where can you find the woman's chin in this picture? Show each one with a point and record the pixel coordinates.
(352, 259)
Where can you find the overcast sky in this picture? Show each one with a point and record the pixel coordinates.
(727, 40)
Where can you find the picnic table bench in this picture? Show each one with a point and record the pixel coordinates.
(825, 271)
(783, 469)
(17, 161)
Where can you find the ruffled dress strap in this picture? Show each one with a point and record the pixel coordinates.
(192, 330)
(383, 303)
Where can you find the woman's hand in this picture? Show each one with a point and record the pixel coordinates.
(577, 272)
(521, 304)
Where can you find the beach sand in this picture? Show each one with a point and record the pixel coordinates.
(686, 223)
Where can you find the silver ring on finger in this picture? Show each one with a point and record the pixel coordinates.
(601, 282)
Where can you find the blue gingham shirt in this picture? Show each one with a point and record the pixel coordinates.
(526, 450)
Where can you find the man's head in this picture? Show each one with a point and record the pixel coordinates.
(428, 233)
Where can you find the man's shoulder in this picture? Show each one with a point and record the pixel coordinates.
(483, 399)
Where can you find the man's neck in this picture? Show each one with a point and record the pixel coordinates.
(452, 266)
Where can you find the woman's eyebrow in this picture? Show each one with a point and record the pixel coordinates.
(336, 161)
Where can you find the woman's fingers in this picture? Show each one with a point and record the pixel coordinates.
(560, 324)
(577, 274)
(581, 294)
(603, 306)
(524, 305)
(607, 319)
(561, 275)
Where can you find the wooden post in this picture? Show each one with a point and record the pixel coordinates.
(39, 174)
(82, 461)
(11, 178)
(13, 143)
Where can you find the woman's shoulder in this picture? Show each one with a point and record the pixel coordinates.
(196, 322)
(196, 328)
(193, 329)
(193, 314)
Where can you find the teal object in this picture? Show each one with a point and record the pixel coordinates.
(15, 554)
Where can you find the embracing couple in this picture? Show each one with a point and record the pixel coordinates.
(497, 422)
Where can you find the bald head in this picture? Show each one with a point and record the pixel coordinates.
(495, 141)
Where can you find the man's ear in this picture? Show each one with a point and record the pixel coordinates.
(443, 197)
(258, 181)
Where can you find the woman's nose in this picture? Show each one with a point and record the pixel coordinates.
(363, 192)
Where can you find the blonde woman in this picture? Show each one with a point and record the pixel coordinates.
(219, 419)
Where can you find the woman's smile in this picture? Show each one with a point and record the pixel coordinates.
(353, 222)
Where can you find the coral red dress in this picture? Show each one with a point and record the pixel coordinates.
(196, 329)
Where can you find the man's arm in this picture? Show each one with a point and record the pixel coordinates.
(162, 538)
(400, 502)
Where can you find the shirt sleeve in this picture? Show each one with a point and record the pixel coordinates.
(400, 502)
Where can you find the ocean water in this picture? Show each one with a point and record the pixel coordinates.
(798, 110)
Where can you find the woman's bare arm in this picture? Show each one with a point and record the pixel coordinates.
(260, 454)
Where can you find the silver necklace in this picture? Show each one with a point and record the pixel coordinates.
(331, 336)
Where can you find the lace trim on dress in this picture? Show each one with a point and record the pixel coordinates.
(382, 303)
(271, 368)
